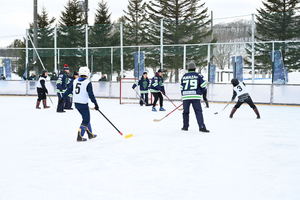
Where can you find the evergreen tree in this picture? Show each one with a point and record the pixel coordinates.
(277, 20)
(134, 30)
(135, 23)
(101, 36)
(72, 35)
(45, 34)
(19, 54)
(185, 21)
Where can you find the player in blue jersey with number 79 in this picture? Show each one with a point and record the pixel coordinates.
(192, 87)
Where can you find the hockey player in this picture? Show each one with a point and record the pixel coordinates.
(42, 90)
(204, 92)
(83, 91)
(240, 90)
(157, 89)
(69, 99)
(192, 87)
(61, 86)
(144, 88)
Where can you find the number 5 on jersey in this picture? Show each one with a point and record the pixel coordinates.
(77, 88)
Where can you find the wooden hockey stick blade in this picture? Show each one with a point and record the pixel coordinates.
(157, 120)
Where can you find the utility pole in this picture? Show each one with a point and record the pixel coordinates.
(35, 27)
(86, 10)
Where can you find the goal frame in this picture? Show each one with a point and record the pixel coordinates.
(134, 80)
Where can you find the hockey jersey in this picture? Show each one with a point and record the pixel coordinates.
(82, 91)
(62, 82)
(144, 85)
(41, 82)
(240, 91)
(157, 84)
(192, 86)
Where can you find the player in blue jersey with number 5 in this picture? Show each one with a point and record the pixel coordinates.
(83, 91)
(192, 87)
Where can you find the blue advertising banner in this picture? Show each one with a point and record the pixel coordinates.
(237, 64)
(279, 72)
(212, 74)
(139, 64)
(7, 65)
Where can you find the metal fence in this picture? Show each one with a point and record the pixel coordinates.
(109, 50)
(220, 92)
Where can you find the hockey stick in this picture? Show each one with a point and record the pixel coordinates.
(223, 108)
(158, 120)
(125, 136)
(141, 98)
(171, 101)
(50, 99)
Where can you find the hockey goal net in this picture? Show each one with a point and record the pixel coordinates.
(128, 95)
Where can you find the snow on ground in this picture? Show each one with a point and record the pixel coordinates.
(242, 158)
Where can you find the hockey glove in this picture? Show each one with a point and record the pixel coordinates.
(46, 91)
(96, 107)
(134, 86)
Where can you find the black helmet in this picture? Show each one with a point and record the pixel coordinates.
(234, 82)
(44, 72)
(191, 66)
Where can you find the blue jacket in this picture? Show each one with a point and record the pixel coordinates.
(192, 86)
(157, 84)
(62, 82)
(144, 85)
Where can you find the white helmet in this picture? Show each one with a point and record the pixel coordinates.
(84, 71)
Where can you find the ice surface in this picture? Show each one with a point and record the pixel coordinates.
(242, 158)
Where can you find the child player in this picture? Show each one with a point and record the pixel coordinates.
(144, 88)
(42, 90)
(83, 91)
(240, 90)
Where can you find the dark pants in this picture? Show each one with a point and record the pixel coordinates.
(247, 100)
(68, 103)
(85, 113)
(60, 105)
(158, 95)
(198, 112)
(145, 97)
(41, 94)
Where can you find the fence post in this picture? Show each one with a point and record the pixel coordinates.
(121, 49)
(87, 45)
(184, 57)
(208, 58)
(162, 43)
(252, 48)
(111, 63)
(55, 49)
(26, 59)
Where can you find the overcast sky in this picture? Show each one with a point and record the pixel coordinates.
(15, 15)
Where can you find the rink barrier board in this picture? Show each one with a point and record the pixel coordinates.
(288, 94)
(175, 100)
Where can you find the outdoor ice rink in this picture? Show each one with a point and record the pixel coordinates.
(241, 159)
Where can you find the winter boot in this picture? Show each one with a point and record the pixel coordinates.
(45, 104)
(232, 112)
(80, 138)
(204, 130)
(206, 103)
(38, 104)
(154, 109)
(257, 113)
(89, 132)
(162, 109)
